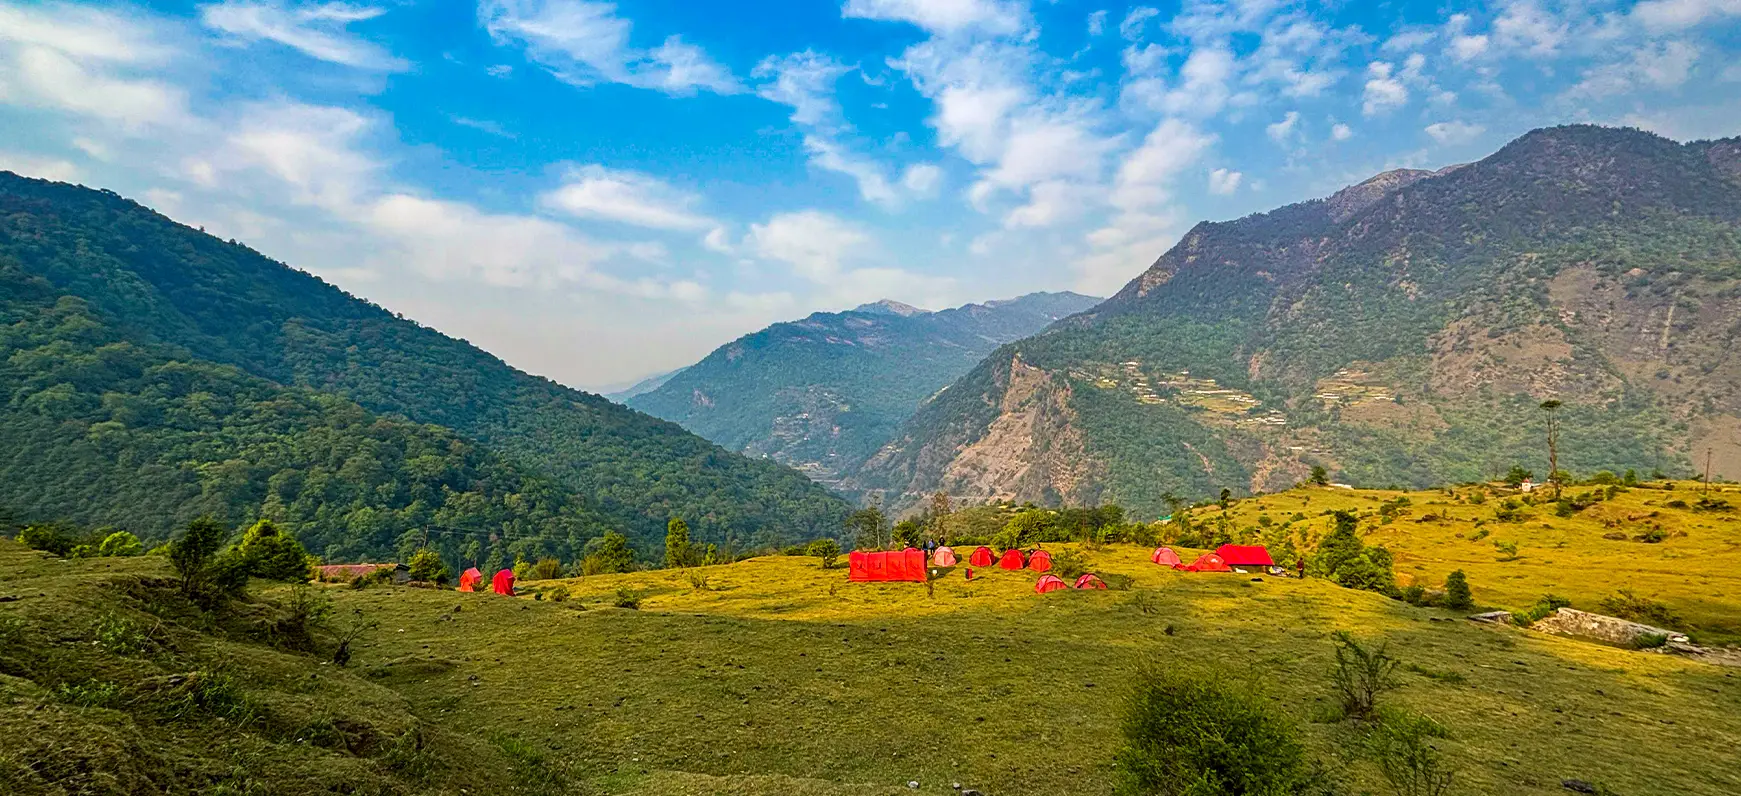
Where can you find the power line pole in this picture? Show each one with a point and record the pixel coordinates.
(1707, 471)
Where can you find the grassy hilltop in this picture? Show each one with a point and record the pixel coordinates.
(774, 676)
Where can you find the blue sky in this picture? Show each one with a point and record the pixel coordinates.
(597, 191)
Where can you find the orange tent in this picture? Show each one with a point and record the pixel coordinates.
(908, 564)
(1012, 559)
(944, 557)
(1089, 581)
(503, 583)
(981, 557)
(1166, 558)
(1209, 562)
(1049, 583)
(1040, 561)
(469, 579)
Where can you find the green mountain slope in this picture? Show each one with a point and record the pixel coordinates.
(1402, 331)
(824, 393)
(158, 283)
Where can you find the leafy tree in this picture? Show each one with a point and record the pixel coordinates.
(272, 554)
(937, 515)
(55, 538)
(426, 566)
(1517, 475)
(678, 552)
(546, 569)
(614, 554)
(868, 527)
(1457, 594)
(1362, 673)
(825, 549)
(909, 533)
(1320, 476)
(120, 543)
(1342, 557)
(1226, 498)
(192, 553)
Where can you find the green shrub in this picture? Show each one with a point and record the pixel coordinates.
(627, 598)
(54, 538)
(1415, 594)
(825, 550)
(1458, 597)
(1650, 641)
(120, 544)
(272, 554)
(1547, 605)
(557, 593)
(426, 566)
(1069, 565)
(1203, 735)
(546, 569)
(1361, 675)
(1401, 743)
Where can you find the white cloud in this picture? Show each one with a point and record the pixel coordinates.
(1526, 26)
(482, 125)
(1664, 65)
(1146, 172)
(317, 30)
(1454, 133)
(1341, 132)
(1674, 15)
(1134, 22)
(1202, 88)
(804, 81)
(829, 155)
(1465, 46)
(584, 43)
(816, 244)
(943, 16)
(1097, 23)
(312, 149)
(86, 62)
(1283, 131)
(45, 168)
(1384, 90)
(500, 70)
(1050, 203)
(1223, 182)
(922, 179)
(627, 197)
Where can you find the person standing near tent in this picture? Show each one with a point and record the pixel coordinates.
(1300, 564)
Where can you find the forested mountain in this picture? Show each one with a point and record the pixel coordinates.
(1404, 331)
(151, 371)
(824, 393)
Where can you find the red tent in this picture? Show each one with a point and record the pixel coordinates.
(908, 564)
(981, 557)
(944, 557)
(1166, 558)
(1209, 562)
(469, 579)
(1049, 583)
(1244, 555)
(1012, 559)
(503, 583)
(1040, 561)
(1089, 581)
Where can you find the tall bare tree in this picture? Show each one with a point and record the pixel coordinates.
(1552, 407)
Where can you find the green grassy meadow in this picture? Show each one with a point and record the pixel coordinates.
(780, 677)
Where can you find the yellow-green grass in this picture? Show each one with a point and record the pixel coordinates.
(783, 678)
(1696, 570)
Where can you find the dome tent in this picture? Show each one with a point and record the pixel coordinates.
(1090, 581)
(981, 557)
(1166, 558)
(503, 583)
(1040, 561)
(1012, 559)
(469, 579)
(1209, 562)
(1049, 583)
(944, 557)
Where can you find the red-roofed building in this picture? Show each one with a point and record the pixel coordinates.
(1245, 556)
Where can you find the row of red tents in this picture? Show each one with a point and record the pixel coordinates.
(1224, 559)
(502, 583)
(910, 564)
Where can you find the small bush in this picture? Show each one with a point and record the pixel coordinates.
(1145, 601)
(627, 598)
(1652, 536)
(1650, 641)
(698, 581)
(1415, 594)
(1458, 596)
(1206, 736)
(545, 569)
(90, 694)
(119, 635)
(1361, 675)
(1401, 744)
(557, 593)
(1542, 608)
(1069, 565)
(1507, 550)
(826, 550)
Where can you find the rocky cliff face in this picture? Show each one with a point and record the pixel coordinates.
(1402, 331)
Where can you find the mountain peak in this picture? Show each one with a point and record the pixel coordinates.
(1348, 202)
(890, 307)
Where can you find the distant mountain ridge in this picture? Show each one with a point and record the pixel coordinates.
(191, 301)
(825, 392)
(1403, 331)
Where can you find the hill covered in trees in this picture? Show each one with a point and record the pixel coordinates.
(151, 371)
(1404, 331)
(824, 393)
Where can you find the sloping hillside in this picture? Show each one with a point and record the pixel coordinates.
(1401, 332)
(824, 393)
(157, 284)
